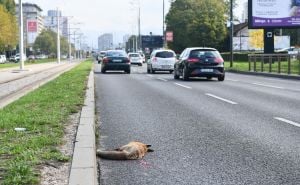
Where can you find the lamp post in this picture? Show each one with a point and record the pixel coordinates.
(58, 36)
(231, 33)
(164, 35)
(21, 36)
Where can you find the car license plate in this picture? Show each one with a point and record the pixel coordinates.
(117, 60)
(165, 66)
(207, 70)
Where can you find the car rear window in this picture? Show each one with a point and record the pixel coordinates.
(165, 54)
(116, 54)
(204, 54)
(134, 55)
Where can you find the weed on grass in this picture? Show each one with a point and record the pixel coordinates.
(43, 113)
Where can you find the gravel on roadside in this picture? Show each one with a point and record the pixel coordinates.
(57, 173)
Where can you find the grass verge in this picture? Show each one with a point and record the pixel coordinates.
(264, 67)
(43, 113)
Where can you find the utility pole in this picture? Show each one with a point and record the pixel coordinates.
(164, 36)
(58, 36)
(21, 36)
(140, 45)
(231, 33)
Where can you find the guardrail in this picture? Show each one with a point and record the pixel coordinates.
(274, 63)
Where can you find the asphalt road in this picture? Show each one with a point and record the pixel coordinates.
(245, 130)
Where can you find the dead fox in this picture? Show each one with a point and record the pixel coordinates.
(133, 150)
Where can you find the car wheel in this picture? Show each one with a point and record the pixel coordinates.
(127, 71)
(185, 75)
(221, 78)
(148, 70)
(152, 71)
(103, 71)
(176, 76)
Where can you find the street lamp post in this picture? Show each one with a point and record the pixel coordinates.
(58, 37)
(231, 33)
(21, 36)
(164, 36)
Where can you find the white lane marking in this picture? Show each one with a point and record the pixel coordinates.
(265, 85)
(223, 99)
(182, 85)
(162, 79)
(232, 80)
(288, 121)
(151, 76)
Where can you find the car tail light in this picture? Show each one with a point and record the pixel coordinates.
(127, 60)
(193, 60)
(154, 59)
(105, 60)
(219, 60)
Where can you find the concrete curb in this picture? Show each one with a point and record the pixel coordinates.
(84, 164)
(284, 76)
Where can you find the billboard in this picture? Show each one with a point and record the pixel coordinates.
(31, 26)
(152, 41)
(274, 13)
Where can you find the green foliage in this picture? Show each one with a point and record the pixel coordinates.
(196, 23)
(46, 43)
(8, 29)
(9, 6)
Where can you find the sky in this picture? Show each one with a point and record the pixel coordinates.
(119, 17)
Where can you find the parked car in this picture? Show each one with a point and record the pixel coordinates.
(200, 62)
(115, 60)
(2, 59)
(135, 58)
(161, 60)
(16, 58)
(290, 50)
(41, 56)
(31, 57)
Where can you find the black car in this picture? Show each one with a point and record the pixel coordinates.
(200, 62)
(115, 60)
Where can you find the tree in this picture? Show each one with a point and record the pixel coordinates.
(196, 23)
(46, 43)
(10, 6)
(8, 29)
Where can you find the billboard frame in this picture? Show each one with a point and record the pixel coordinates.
(250, 22)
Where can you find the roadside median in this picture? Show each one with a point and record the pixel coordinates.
(32, 127)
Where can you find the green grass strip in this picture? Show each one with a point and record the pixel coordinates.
(44, 113)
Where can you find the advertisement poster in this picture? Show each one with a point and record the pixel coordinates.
(275, 13)
(31, 26)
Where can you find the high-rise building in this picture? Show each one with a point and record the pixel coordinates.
(51, 22)
(33, 22)
(105, 41)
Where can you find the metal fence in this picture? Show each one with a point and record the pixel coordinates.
(274, 63)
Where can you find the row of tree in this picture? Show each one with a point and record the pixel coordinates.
(8, 25)
(46, 43)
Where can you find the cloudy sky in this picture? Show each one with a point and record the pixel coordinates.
(110, 16)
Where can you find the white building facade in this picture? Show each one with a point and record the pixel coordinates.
(105, 42)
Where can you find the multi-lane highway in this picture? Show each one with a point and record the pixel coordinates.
(245, 130)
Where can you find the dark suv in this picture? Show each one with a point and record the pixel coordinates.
(200, 62)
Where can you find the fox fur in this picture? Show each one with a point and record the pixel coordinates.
(131, 151)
